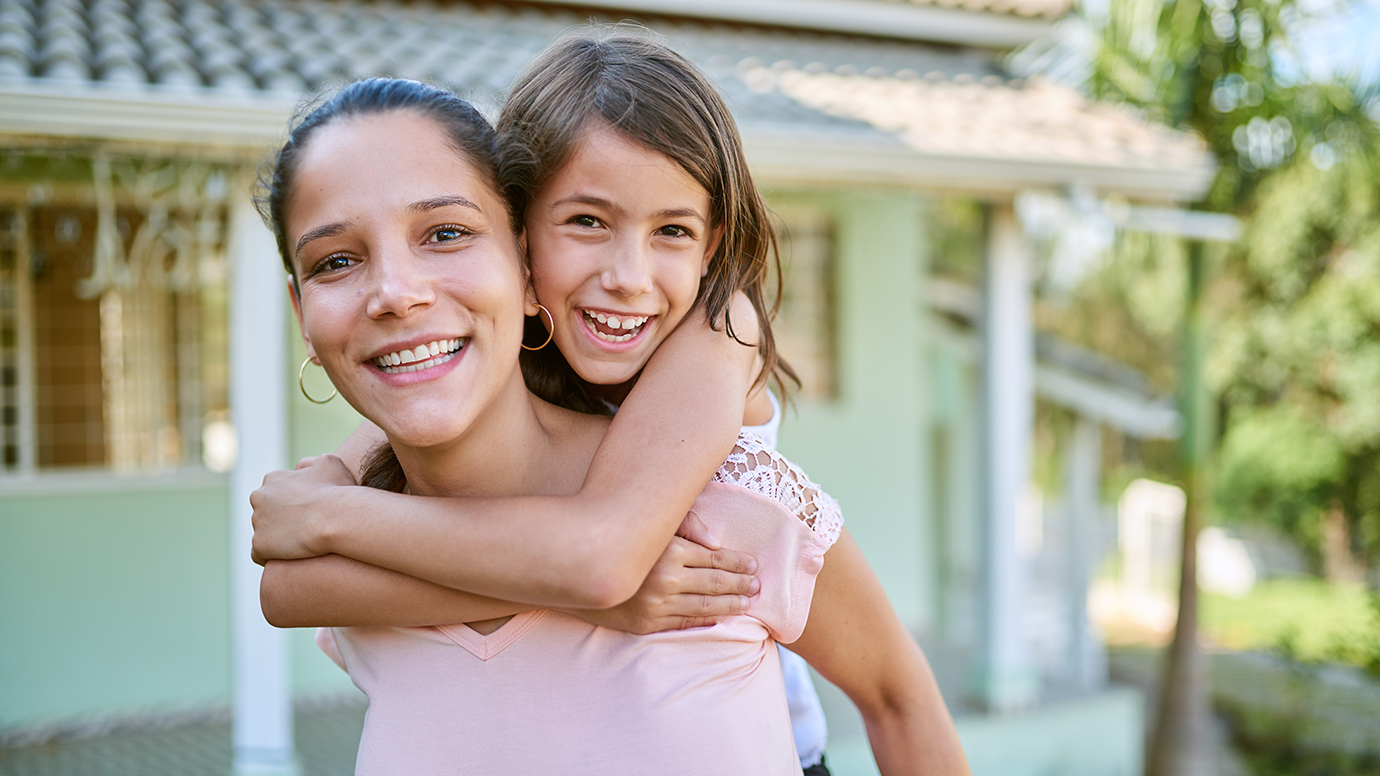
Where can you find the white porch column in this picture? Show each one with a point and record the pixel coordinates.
(1007, 680)
(258, 378)
(1083, 467)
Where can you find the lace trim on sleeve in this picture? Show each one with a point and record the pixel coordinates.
(757, 467)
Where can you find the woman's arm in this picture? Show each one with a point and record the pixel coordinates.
(854, 639)
(592, 550)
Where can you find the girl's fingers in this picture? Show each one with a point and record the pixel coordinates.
(694, 529)
(696, 556)
(713, 583)
(698, 607)
(686, 623)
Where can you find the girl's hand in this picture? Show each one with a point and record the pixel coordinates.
(290, 507)
(694, 584)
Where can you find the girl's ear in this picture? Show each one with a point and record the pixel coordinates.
(296, 298)
(716, 236)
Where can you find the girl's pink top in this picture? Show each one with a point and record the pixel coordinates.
(551, 694)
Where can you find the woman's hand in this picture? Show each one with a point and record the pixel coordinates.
(291, 507)
(695, 583)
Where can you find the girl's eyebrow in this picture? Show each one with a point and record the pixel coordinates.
(440, 202)
(585, 199)
(685, 212)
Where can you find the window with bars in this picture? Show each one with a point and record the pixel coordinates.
(805, 324)
(113, 331)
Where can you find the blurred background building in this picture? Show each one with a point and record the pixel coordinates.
(922, 187)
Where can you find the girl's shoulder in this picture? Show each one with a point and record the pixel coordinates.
(757, 466)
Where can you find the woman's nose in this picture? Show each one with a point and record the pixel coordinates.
(400, 285)
(630, 274)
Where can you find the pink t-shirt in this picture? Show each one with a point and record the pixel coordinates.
(548, 693)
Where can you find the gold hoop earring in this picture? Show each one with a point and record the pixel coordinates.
(551, 332)
(301, 370)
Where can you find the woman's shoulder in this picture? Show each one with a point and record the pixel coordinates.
(758, 467)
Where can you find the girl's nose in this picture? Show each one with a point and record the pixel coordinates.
(630, 274)
(400, 285)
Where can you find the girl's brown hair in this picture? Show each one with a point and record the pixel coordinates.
(657, 98)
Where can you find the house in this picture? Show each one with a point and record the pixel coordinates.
(146, 352)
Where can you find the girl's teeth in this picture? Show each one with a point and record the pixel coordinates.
(630, 324)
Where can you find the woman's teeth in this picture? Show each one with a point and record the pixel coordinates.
(420, 357)
(603, 326)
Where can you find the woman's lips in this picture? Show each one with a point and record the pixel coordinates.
(420, 357)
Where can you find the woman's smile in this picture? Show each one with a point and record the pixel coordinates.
(420, 357)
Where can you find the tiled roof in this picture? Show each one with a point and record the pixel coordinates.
(988, 117)
(1048, 9)
(848, 91)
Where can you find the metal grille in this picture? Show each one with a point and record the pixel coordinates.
(805, 326)
(112, 318)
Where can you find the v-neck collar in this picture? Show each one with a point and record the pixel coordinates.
(485, 647)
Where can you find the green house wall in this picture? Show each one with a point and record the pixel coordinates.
(114, 592)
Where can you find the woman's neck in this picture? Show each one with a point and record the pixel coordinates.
(497, 455)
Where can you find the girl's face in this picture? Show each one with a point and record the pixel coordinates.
(618, 242)
(412, 286)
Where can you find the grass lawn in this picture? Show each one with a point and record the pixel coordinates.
(1309, 619)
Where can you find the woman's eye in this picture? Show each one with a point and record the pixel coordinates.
(332, 264)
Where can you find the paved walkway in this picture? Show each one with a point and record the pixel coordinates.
(326, 741)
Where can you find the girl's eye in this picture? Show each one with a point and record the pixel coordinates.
(673, 230)
(586, 221)
(448, 233)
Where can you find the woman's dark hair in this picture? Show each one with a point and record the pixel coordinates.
(657, 98)
(468, 132)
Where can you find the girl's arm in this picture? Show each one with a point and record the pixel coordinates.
(332, 590)
(592, 550)
(854, 639)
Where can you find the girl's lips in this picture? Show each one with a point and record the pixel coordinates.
(612, 327)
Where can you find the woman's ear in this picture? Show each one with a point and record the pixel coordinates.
(296, 296)
(716, 236)
(530, 303)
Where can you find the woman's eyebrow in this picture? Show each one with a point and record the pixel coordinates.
(440, 202)
(329, 230)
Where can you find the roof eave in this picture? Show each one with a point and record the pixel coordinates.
(253, 123)
(145, 116)
(818, 161)
(905, 21)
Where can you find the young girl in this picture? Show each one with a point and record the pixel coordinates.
(647, 286)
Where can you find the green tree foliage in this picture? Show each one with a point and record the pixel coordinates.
(1295, 305)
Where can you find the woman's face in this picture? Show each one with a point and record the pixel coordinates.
(412, 287)
(618, 242)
